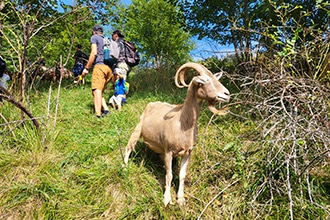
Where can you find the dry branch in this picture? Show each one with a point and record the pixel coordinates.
(293, 124)
(8, 97)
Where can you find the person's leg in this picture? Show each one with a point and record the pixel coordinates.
(119, 99)
(97, 101)
(105, 108)
(104, 105)
(98, 85)
(107, 74)
(125, 69)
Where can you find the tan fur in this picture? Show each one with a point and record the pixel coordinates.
(171, 130)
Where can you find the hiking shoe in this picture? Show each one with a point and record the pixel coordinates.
(105, 113)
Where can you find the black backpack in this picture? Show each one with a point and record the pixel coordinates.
(2, 66)
(82, 57)
(132, 56)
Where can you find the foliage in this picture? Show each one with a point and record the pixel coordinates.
(47, 31)
(214, 64)
(156, 26)
(245, 24)
(296, 42)
(293, 130)
(226, 22)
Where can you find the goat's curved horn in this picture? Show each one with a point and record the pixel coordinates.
(181, 72)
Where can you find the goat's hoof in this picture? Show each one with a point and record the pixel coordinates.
(166, 202)
(181, 201)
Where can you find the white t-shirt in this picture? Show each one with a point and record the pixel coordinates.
(3, 80)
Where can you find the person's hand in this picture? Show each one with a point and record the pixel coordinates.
(84, 72)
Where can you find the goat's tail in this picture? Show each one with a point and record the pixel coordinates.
(132, 141)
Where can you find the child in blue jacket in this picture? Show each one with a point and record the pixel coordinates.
(119, 93)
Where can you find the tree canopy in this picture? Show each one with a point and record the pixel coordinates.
(162, 30)
(247, 24)
(157, 27)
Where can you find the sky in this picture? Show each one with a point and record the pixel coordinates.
(207, 48)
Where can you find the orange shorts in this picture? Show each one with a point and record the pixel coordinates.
(101, 76)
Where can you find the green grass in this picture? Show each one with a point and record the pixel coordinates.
(73, 169)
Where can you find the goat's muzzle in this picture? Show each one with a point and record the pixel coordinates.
(223, 97)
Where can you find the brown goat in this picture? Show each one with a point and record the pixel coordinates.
(53, 74)
(171, 130)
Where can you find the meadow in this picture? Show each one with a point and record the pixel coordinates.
(73, 167)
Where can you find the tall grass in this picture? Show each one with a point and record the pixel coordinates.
(74, 170)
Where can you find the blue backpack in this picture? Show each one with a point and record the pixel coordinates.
(108, 53)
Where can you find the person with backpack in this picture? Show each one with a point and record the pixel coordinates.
(4, 77)
(102, 74)
(80, 61)
(128, 55)
(121, 61)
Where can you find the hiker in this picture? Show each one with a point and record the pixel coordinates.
(119, 90)
(102, 73)
(80, 61)
(4, 77)
(121, 63)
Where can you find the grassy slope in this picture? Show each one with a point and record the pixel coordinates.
(75, 170)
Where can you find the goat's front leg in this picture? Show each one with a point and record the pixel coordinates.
(168, 177)
(132, 141)
(182, 176)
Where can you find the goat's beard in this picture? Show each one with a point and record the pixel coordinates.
(214, 110)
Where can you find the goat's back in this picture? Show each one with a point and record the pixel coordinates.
(156, 115)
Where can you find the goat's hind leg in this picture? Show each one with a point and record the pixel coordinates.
(132, 141)
(168, 177)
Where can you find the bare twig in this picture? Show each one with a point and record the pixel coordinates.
(6, 123)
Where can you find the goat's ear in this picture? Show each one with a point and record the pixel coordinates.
(218, 75)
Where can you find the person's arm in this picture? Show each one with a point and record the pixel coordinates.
(120, 76)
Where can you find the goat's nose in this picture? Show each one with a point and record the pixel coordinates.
(226, 92)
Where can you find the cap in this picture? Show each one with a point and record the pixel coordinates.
(118, 32)
(98, 28)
